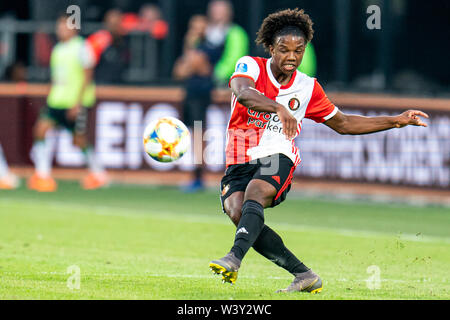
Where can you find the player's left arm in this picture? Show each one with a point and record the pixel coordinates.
(355, 124)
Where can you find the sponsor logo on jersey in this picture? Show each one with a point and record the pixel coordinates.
(294, 104)
(241, 67)
(264, 120)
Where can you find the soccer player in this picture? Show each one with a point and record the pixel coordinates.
(68, 105)
(269, 100)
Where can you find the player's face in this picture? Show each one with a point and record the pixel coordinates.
(63, 32)
(287, 53)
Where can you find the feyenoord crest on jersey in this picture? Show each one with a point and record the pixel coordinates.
(225, 189)
(294, 104)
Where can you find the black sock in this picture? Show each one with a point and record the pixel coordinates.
(270, 245)
(249, 228)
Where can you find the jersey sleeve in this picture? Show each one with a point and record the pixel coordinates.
(246, 67)
(320, 108)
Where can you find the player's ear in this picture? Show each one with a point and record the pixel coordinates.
(271, 50)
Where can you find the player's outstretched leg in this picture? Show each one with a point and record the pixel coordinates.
(269, 244)
(305, 282)
(248, 230)
(250, 225)
(227, 266)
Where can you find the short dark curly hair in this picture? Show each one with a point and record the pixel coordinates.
(276, 23)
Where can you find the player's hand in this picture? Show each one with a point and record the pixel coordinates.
(411, 117)
(72, 113)
(288, 121)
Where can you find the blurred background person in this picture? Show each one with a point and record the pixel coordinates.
(110, 49)
(151, 20)
(8, 180)
(148, 20)
(16, 72)
(195, 68)
(71, 97)
(222, 32)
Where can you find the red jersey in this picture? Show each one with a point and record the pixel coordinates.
(251, 134)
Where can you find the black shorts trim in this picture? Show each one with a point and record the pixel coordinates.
(276, 169)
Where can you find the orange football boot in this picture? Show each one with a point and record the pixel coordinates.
(94, 181)
(42, 184)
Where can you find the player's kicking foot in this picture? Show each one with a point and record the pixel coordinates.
(306, 282)
(42, 184)
(94, 181)
(227, 266)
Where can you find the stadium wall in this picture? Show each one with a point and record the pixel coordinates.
(412, 156)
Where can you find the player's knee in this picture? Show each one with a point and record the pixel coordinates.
(261, 192)
(235, 213)
(233, 206)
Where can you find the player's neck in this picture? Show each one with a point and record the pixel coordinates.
(282, 78)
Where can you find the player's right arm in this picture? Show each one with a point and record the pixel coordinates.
(247, 95)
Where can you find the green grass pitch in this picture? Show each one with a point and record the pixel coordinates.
(149, 242)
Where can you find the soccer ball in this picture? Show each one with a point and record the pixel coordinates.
(166, 139)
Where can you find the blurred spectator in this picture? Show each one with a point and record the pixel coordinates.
(16, 72)
(223, 32)
(309, 62)
(149, 20)
(110, 49)
(195, 35)
(195, 68)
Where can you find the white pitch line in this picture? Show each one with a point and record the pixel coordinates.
(218, 219)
